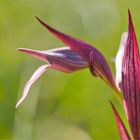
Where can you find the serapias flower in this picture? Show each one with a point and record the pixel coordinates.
(127, 70)
(128, 80)
(82, 55)
(97, 63)
(76, 56)
(130, 84)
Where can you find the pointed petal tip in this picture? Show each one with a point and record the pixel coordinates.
(25, 50)
(129, 13)
(36, 53)
(17, 49)
(49, 28)
(18, 103)
(130, 22)
(43, 23)
(21, 49)
(37, 18)
(29, 51)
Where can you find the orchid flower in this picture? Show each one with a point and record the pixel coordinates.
(79, 54)
(128, 81)
(76, 56)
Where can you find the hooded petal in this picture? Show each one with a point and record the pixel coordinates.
(98, 64)
(63, 59)
(131, 81)
(121, 128)
(118, 60)
(31, 81)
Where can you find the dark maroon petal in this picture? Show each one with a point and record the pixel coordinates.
(121, 128)
(98, 64)
(131, 81)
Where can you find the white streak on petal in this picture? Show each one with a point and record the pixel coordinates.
(31, 81)
(118, 59)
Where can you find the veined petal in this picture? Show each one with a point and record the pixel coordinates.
(121, 128)
(131, 81)
(31, 81)
(118, 60)
(99, 66)
(63, 59)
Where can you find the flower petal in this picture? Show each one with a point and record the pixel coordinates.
(101, 70)
(85, 50)
(99, 67)
(31, 81)
(121, 128)
(131, 81)
(118, 60)
(63, 59)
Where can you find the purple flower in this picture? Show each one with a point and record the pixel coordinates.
(130, 83)
(78, 55)
(97, 63)
(128, 78)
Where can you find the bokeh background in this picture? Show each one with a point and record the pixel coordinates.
(60, 106)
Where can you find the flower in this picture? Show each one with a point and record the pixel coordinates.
(130, 83)
(76, 56)
(128, 78)
(127, 70)
(98, 64)
(79, 54)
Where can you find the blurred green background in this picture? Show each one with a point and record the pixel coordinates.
(60, 106)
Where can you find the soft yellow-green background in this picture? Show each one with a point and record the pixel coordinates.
(60, 106)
